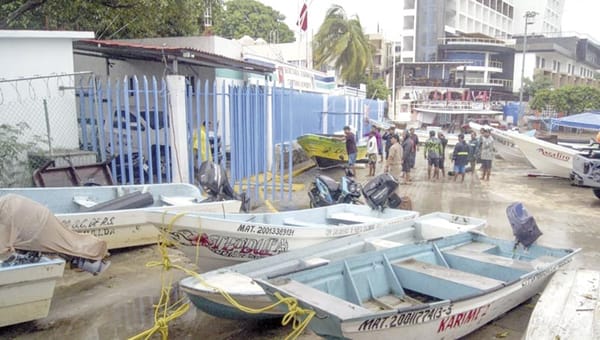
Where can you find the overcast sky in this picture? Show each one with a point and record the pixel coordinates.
(579, 15)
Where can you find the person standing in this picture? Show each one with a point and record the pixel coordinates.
(372, 153)
(433, 149)
(387, 137)
(350, 147)
(487, 154)
(379, 143)
(442, 160)
(473, 152)
(394, 161)
(460, 157)
(415, 144)
(408, 154)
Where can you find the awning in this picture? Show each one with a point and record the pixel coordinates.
(585, 120)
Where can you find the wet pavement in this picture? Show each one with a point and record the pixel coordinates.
(119, 303)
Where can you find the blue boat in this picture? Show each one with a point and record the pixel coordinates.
(441, 289)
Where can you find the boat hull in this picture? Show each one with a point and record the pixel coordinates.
(119, 228)
(569, 307)
(550, 159)
(26, 290)
(238, 282)
(216, 240)
(327, 150)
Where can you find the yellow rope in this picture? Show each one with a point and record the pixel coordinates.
(163, 313)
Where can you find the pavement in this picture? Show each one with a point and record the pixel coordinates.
(118, 304)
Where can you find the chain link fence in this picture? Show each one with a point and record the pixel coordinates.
(38, 125)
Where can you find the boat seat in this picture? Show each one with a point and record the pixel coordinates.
(379, 244)
(298, 223)
(500, 261)
(348, 217)
(477, 246)
(441, 282)
(334, 305)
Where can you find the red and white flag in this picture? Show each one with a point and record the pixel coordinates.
(303, 18)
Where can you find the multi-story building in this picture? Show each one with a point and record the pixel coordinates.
(548, 16)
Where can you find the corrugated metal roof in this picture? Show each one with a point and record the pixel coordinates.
(129, 50)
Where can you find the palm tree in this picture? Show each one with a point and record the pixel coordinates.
(341, 41)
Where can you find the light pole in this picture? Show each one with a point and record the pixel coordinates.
(528, 15)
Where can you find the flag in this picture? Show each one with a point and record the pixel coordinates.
(303, 18)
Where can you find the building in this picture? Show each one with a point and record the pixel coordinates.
(548, 16)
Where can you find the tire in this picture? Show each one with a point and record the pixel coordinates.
(597, 192)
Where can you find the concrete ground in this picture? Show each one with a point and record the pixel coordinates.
(118, 304)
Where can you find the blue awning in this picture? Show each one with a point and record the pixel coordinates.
(586, 120)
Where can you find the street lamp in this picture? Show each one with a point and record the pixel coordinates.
(528, 15)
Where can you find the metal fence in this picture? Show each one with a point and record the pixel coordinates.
(128, 123)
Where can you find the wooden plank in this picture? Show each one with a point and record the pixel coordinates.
(336, 306)
(449, 274)
(477, 246)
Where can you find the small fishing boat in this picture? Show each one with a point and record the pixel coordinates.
(115, 214)
(215, 240)
(423, 135)
(328, 151)
(237, 281)
(569, 307)
(26, 290)
(586, 169)
(440, 289)
(549, 158)
(504, 144)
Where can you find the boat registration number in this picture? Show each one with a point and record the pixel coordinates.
(265, 230)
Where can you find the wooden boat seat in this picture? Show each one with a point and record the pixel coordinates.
(496, 260)
(348, 217)
(334, 305)
(298, 223)
(442, 282)
(379, 244)
(477, 246)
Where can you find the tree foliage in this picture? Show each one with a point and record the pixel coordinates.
(568, 99)
(376, 89)
(341, 41)
(107, 18)
(539, 82)
(252, 18)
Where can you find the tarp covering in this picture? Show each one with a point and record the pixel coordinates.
(586, 120)
(28, 225)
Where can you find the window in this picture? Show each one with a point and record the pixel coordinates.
(409, 22)
(538, 62)
(409, 4)
(407, 43)
(543, 63)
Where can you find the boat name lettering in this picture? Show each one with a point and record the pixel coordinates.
(88, 223)
(542, 273)
(99, 232)
(240, 247)
(404, 319)
(554, 154)
(349, 230)
(261, 229)
(463, 318)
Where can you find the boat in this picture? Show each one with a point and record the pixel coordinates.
(586, 169)
(214, 240)
(328, 151)
(26, 290)
(549, 158)
(569, 307)
(423, 135)
(115, 213)
(439, 289)
(237, 280)
(504, 144)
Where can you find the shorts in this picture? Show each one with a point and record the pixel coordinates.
(433, 162)
(486, 164)
(441, 163)
(459, 169)
(352, 159)
(372, 158)
(380, 150)
(406, 165)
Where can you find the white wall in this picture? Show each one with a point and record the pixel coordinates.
(39, 53)
(529, 69)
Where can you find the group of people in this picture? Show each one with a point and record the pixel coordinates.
(401, 151)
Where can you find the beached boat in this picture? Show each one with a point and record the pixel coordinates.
(115, 213)
(549, 158)
(441, 289)
(237, 281)
(503, 143)
(328, 151)
(586, 169)
(569, 307)
(423, 135)
(26, 290)
(219, 239)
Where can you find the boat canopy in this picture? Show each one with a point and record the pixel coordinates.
(585, 120)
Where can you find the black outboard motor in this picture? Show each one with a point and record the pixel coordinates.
(212, 178)
(327, 191)
(523, 225)
(380, 192)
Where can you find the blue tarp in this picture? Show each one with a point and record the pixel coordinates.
(586, 120)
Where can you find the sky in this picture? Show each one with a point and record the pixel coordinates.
(578, 16)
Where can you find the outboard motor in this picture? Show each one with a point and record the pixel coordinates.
(523, 225)
(326, 191)
(380, 192)
(212, 178)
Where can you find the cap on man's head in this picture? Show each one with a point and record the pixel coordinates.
(346, 128)
(431, 133)
(461, 136)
